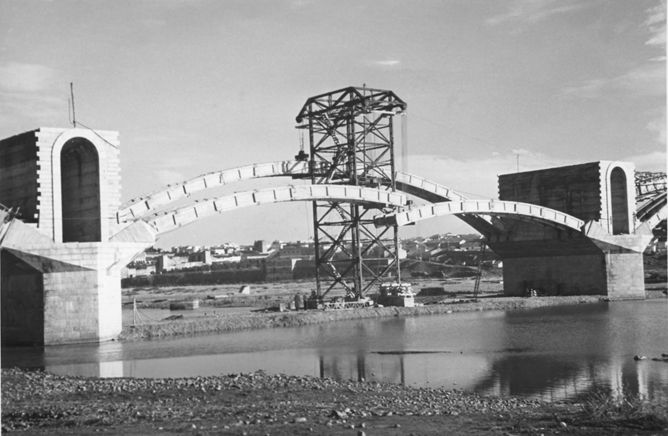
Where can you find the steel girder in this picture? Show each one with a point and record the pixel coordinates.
(351, 141)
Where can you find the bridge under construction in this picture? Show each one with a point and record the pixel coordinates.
(65, 235)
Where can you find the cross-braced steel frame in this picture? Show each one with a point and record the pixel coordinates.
(351, 138)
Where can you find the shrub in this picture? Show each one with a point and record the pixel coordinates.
(628, 408)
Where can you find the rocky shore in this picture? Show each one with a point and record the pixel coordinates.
(262, 404)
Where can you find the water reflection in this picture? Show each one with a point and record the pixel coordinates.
(549, 353)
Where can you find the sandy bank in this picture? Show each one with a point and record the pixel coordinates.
(212, 324)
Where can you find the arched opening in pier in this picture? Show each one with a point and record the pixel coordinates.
(80, 191)
(619, 202)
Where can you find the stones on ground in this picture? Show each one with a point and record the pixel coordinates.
(639, 358)
(236, 400)
(338, 414)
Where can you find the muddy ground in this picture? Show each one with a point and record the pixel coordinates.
(272, 294)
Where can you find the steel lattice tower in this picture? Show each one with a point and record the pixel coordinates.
(351, 138)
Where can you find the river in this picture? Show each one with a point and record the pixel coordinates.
(550, 353)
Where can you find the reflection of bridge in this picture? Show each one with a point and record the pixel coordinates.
(66, 236)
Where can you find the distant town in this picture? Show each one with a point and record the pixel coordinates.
(286, 261)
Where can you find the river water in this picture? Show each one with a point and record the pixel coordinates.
(551, 353)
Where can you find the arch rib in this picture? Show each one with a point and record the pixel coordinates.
(649, 207)
(173, 219)
(145, 205)
(424, 188)
(646, 226)
(484, 207)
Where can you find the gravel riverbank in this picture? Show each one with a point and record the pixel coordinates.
(261, 404)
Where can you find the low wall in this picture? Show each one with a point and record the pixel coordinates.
(254, 275)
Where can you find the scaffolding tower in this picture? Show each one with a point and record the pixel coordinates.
(351, 137)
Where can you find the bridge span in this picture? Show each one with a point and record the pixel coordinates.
(65, 236)
(523, 211)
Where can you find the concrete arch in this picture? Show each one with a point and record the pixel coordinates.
(649, 206)
(425, 189)
(143, 206)
(146, 204)
(527, 211)
(651, 220)
(170, 220)
(620, 206)
(56, 182)
(650, 202)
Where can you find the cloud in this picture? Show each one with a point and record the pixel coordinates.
(38, 109)
(657, 125)
(153, 23)
(656, 25)
(18, 77)
(26, 94)
(533, 11)
(654, 161)
(385, 63)
(645, 80)
(299, 4)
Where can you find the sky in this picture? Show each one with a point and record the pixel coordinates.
(195, 86)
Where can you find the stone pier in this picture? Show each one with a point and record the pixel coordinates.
(605, 258)
(60, 246)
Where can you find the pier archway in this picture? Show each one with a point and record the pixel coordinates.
(619, 202)
(80, 191)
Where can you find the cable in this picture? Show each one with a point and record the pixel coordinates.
(98, 135)
(146, 316)
(540, 160)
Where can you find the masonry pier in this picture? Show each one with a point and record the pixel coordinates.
(59, 242)
(604, 258)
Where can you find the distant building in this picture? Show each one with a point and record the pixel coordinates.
(261, 246)
(296, 251)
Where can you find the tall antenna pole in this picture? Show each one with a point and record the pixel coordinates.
(74, 117)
